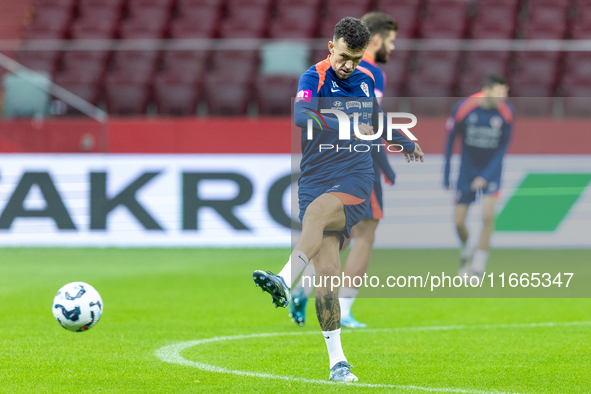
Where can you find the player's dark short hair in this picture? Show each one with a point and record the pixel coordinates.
(379, 23)
(490, 80)
(353, 31)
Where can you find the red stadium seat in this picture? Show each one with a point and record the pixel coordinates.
(248, 3)
(434, 75)
(197, 23)
(478, 64)
(274, 94)
(85, 65)
(164, 5)
(315, 4)
(175, 96)
(546, 20)
(146, 23)
(88, 5)
(189, 63)
(126, 95)
(295, 21)
(536, 68)
(245, 22)
(405, 13)
(41, 61)
(395, 71)
(225, 97)
(88, 90)
(50, 22)
(581, 29)
(578, 70)
(494, 21)
(139, 64)
(199, 4)
(96, 23)
(445, 19)
(503, 3)
(336, 12)
(235, 66)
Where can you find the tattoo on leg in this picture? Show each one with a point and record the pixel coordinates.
(328, 311)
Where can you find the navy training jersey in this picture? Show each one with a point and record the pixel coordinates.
(485, 134)
(320, 88)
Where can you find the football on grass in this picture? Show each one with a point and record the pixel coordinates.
(77, 306)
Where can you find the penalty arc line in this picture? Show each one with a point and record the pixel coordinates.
(172, 354)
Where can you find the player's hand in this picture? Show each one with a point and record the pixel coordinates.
(365, 129)
(478, 183)
(416, 155)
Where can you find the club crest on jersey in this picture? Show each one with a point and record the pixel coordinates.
(365, 88)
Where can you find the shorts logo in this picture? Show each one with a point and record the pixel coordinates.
(367, 104)
(353, 104)
(365, 88)
(304, 95)
(493, 187)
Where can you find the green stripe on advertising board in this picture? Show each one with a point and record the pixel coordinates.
(541, 202)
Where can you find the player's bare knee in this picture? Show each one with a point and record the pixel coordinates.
(488, 219)
(460, 223)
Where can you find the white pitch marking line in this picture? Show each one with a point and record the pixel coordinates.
(171, 354)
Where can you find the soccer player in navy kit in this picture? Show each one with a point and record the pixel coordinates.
(484, 122)
(335, 184)
(383, 33)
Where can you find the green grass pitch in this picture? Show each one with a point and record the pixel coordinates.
(159, 297)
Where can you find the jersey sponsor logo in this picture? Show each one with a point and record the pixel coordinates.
(353, 104)
(496, 122)
(338, 105)
(472, 118)
(365, 88)
(304, 95)
(367, 104)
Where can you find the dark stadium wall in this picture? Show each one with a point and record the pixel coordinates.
(245, 135)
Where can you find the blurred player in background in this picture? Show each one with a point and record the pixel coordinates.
(335, 185)
(383, 33)
(484, 122)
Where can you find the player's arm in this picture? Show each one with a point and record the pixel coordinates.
(380, 157)
(306, 102)
(452, 131)
(497, 158)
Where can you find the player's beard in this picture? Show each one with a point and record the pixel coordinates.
(382, 55)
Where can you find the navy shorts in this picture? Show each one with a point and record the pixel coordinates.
(466, 196)
(376, 203)
(354, 191)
